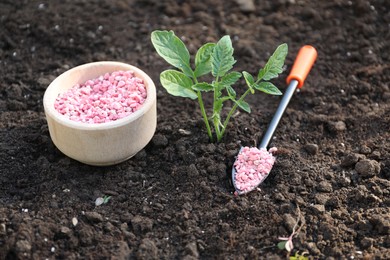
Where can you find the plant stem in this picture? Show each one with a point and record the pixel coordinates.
(203, 110)
(205, 119)
(216, 114)
(231, 113)
(216, 122)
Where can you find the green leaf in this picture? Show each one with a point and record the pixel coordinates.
(282, 245)
(106, 199)
(202, 87)
(172, 50)
(248, 79)
(297, 256)
(222, 57)
(231, 92)
(275, 64)
(230, 78)
(267, 87)
(218, 92)
(244, 106)
(203, 59)
(177, 84)
(289, 246)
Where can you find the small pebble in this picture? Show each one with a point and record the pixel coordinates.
(3, 229)
(246, 5)
(343, 181)
(367, 168)
(321, 198)
(75, 221)
(382, 223)
(318, 208)
(160, 140)
(65, 230)
(367, 242)
(93, 216)
(340, 126)
(376, 155)
(23, 246)
(364, 149)
(349, 160)
(185, 132)
(311, 148)
(289, 221)
(325, 186)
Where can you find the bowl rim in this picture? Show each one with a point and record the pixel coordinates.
(62, 119)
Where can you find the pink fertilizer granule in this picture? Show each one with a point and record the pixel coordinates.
(252, 167)
(104, 99)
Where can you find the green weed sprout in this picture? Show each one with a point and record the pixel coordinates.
(215, 59)
(99, 201)
(299, 256)
(287, 242)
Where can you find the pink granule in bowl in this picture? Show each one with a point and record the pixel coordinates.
(107, 98)
(252, 166)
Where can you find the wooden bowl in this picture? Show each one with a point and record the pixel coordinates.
(105, 143)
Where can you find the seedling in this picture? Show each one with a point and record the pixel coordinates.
(287, 242)
(215, 59)
(299, 256)
(99, 201)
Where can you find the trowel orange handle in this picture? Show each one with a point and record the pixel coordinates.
(302, 64)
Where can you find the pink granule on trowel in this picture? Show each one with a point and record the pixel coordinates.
(107, 98)
(252, 167)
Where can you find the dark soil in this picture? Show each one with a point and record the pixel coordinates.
(174, 200)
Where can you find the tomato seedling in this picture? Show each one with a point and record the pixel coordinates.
(215, 59)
